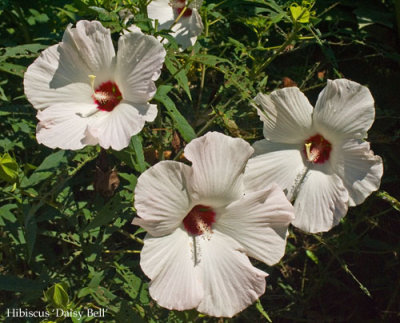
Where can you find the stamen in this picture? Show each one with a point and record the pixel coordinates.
(317, 149)
(92, 78)
(199, 221)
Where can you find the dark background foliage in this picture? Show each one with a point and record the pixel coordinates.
(65, 232)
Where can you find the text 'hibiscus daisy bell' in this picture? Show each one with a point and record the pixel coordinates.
(85, 94)
(317, 155)
(189, 25)
(202, 228)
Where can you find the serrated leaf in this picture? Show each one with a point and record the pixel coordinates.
(181, 123)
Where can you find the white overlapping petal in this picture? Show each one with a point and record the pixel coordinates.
(318, 156)
(203, 226)
(187, 28)
(83, 71)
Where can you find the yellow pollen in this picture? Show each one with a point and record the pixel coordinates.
(311, 156)
(203, 227)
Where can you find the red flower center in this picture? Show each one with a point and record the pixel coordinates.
(107, 96)
(179, 5)
(317, 149)
(199, 220)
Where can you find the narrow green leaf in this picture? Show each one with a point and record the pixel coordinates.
(178, 73)
(181, 123)
(312, 256)
(260, 308)
(136, 144)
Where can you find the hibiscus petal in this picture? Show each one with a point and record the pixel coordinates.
(286, 114)
(259, 222)
(61, 126)
(93, 45)
(139, 61)
(115, 128)
(49, 80)
(168, 261)
(360, 170)
(187, 29)
(162, 11)
(230, 281)
(273, 163)
(218, 162)
(161, 198)
(344, 108)
(321, 202)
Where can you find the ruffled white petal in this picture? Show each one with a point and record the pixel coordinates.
(139, 61)
(230, 281)
(359, 168)
(161, 198)
(274, 163)
(50, 80)
(93, 45)
(321, 202)
(286, 114)
(115, 128)
(62, 126)
(218, 162)
(162, 11)
(168, 262)
(344, 108)
(259, 222)
(188, 29)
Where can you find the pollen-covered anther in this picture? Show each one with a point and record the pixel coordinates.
(199, 221)
(317, 149)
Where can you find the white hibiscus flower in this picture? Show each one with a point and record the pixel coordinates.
(189, 26)
(202, 228)
(85, 94)
(317, 155)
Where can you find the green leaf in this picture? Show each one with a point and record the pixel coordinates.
(17, 284)
(260, 308)
(21, 51)
(209, 60)
(6, 214)
(107, 213)
(181, 123)
(312, 256)
(57, 297)
(136, 144)
(179, 73)
(50, 165)
(8, 168)
(14, 69)
(299, 13)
